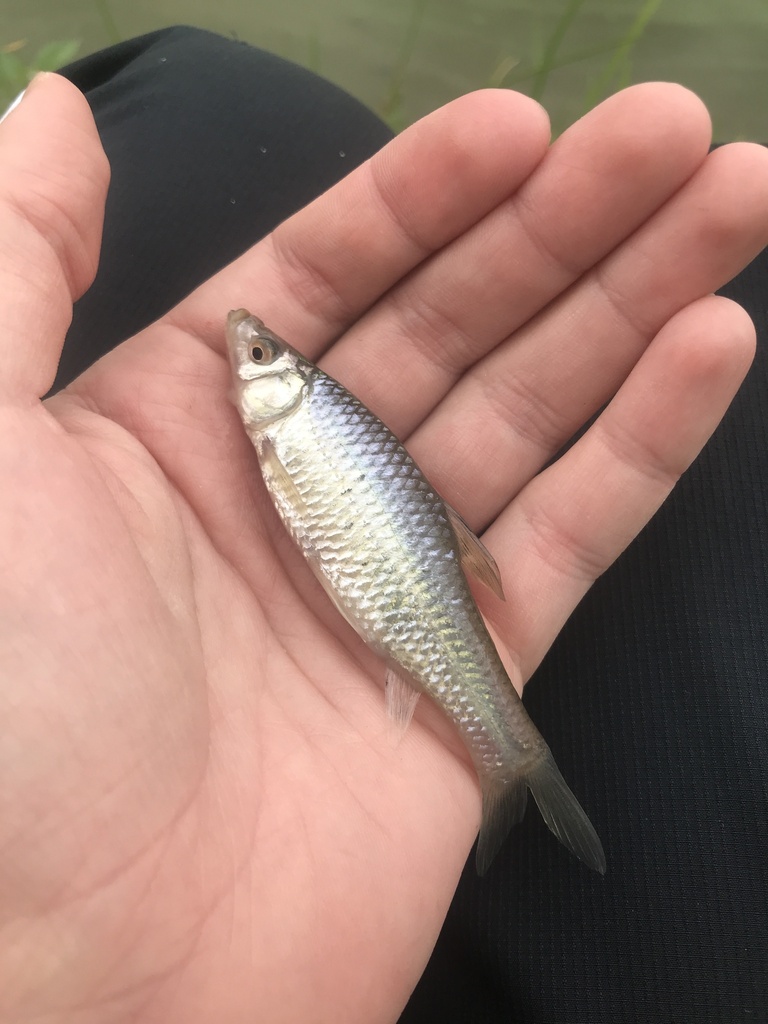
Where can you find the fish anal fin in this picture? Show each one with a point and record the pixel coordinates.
(401, 698)
(277, 477)
(475, 556)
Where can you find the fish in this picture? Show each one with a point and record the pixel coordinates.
(392, 556)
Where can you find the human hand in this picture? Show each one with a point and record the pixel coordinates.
(201, 816)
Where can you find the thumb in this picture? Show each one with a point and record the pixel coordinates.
(53, 184)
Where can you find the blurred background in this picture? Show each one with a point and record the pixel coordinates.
(406, 57)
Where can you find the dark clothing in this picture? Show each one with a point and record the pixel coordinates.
(654, 697)
(212, 143)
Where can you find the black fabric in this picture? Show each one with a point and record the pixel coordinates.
(655, 701)
(654, 698)
(211, 143)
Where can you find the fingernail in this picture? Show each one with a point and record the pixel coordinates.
(35, 81)
(37, 78)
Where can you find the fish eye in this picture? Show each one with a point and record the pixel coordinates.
(261, 350)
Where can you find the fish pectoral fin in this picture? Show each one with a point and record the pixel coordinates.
(401, 698)
(314, 564)
(475, 556)
(273, 469)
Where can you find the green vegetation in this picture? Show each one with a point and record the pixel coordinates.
(530, 76)
(391, 106)
(528, 73)
(18, 67)
(111, 30)
(616, 74)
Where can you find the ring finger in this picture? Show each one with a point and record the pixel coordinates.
(575, 518)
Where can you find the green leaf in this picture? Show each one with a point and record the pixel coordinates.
(547, 60)
(13, 72)
(54, 55)
(618, 62)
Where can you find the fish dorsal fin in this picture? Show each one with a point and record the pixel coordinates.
(401, 699)
(475, 556)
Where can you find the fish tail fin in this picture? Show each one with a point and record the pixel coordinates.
(564, 814)
(504, 805)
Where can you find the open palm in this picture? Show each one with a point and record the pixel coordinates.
(202, 817)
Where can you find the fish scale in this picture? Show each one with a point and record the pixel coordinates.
(386, 549)
(388, 586)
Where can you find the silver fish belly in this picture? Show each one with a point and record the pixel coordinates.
(389, 553)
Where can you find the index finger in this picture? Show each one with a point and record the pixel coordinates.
(323, 267)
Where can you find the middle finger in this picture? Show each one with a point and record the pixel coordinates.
(599, 182)
(512, 413)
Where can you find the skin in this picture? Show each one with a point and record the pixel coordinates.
(201, 815)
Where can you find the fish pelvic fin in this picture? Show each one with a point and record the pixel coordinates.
(504, 806)
(401, 700)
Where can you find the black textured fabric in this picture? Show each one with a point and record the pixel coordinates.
(211, 143)
(654, 698)
(655, 701)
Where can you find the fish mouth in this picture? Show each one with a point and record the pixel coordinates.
(241, 325)
(236, 316)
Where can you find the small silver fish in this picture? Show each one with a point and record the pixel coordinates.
(389, 553)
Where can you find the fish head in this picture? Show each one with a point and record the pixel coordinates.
(270, 377)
